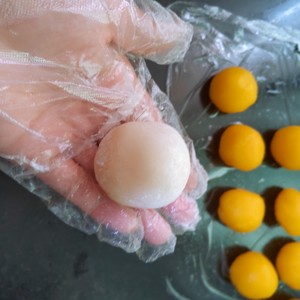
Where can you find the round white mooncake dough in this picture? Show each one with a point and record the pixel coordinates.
(143, 164)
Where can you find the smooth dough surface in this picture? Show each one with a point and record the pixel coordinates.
(143, 164)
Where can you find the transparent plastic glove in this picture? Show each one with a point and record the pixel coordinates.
(69, 72)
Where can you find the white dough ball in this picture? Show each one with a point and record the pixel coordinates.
(143, 164)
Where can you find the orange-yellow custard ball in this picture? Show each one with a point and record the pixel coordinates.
(287, 210)
(253, 275)
(288, 264)
(285, 147)
(241, 210)
(242, 147)
(233, 90)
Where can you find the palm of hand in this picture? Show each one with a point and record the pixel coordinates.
(56, 106)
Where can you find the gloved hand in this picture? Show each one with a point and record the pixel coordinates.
(69, 72)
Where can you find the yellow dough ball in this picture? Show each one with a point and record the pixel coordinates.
(253, 275)
(285, 147)
(287, 210)
(242, 147)
(288, 264)
(233, 90)
(142, 164)
(241, 210)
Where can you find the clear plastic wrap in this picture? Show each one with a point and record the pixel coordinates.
(271, 53)
(69, 72)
